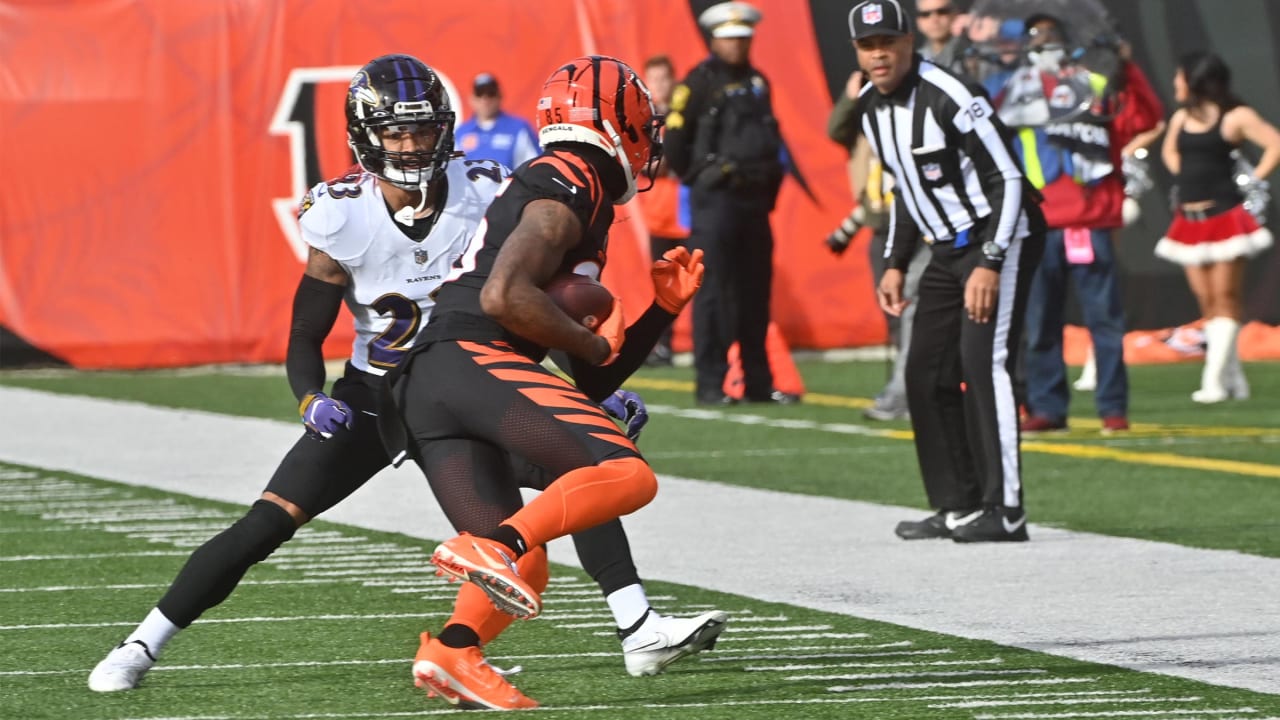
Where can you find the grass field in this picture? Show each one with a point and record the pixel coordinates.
(325, 628)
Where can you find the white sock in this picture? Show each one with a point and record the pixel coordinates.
(156, 631)
(628, 605)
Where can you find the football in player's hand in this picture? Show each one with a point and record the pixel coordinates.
(581, 298)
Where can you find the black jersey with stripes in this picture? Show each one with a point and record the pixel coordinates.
(581, 177)
(957, 178)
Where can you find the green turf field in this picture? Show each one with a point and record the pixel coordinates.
(1206, 476)
(325, 629)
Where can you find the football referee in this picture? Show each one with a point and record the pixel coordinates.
(960, 188)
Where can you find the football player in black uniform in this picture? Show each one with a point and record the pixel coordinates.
(491, 329)
(362, 231)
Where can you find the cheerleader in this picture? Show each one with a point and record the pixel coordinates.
(1212, 233)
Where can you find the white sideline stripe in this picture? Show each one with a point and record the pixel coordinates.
(161, 527)
(291, 551)
(1072, 594)
(775, 452)
(150, 586)
(575, 709)
(217, 621)
(734, 636)
(1072, 701)
(923, 674)
(62, 496)
(1117, 713)
(586, 614)
(902, 663)
(747, 629)
(369, 565)
(88, 518)
(728, 654)
(963, 683)
(416, 570)
(94, 556)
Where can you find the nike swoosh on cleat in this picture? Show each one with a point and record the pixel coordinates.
(572, 190)
(1013, 527)
(954, 522)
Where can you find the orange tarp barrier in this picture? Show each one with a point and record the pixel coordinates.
(155, 150)
(1257, 341)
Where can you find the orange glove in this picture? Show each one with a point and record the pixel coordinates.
(676, 277)
(613, 330)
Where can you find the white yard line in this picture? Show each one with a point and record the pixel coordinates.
(1203, 614)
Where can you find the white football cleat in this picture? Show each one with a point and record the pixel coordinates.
(664, 640)
(122, 668)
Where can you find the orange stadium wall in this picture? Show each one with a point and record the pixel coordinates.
(154, 151)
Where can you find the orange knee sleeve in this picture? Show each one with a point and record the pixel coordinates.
(584, 498)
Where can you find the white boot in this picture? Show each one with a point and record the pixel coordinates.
(1233, 376)
(1088, 380)
(1220, 335)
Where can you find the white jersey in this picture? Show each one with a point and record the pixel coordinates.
(393, 278)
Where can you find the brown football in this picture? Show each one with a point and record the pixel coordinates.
(580, 297)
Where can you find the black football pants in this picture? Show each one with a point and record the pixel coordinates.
(960, 379)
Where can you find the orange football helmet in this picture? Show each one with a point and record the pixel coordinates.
(600, 101)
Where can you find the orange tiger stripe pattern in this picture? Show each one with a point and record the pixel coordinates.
(565, 401)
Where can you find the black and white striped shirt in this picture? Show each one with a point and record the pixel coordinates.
(952, 162)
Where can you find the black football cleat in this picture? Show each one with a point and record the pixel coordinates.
(939, 525)
(715, 398)
(996, 524)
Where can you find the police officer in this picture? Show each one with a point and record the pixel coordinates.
(960, 184)
(723, 141)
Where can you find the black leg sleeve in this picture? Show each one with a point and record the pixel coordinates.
(605, 553)
(215, 568)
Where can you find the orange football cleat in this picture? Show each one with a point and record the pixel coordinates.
(489, 565)
(461, 677)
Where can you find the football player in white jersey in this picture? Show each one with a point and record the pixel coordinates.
(382, 239)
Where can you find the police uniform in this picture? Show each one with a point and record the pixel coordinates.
(723, 140)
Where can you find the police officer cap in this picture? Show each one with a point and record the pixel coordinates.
(730, 20)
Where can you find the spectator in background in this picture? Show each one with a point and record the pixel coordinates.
(1076, 164)
(934, 19)
(722, 139)
(490, 133)
(661, 204)
(1212, 234)
(874, 197)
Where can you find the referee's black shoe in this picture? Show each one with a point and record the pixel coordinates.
(941, 524)
(996, 524)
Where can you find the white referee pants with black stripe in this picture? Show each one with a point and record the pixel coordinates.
(967, 435)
